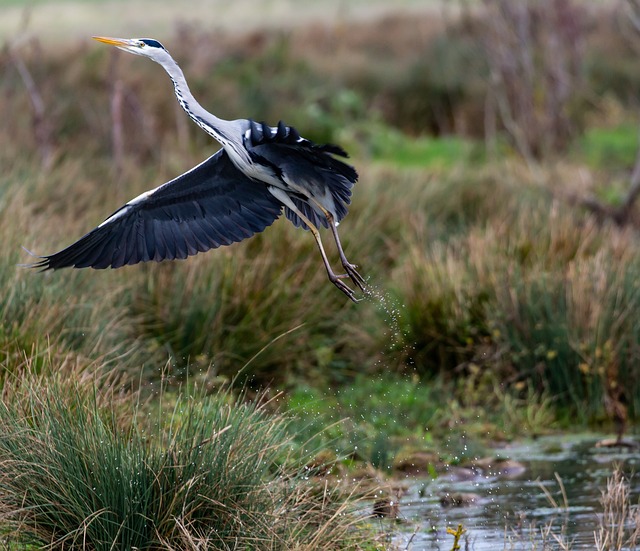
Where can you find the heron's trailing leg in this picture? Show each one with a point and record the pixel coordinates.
(336, 279)
(350, 268)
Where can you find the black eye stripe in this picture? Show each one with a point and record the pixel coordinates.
(152, 43)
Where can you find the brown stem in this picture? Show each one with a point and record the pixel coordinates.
(41, 125)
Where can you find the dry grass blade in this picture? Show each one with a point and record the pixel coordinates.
(620, 521)
(547, 494)
(275, 339)
(565, 500)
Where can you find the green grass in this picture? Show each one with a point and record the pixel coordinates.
(612, 148)
(426, 152)
(78, 473)
(379, 419)
(367, 419)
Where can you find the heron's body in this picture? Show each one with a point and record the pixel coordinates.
(265, 153)
(235, 193)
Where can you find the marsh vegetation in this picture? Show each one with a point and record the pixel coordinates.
(506, 276)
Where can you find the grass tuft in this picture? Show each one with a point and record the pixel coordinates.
(619, 524)
(78, 474)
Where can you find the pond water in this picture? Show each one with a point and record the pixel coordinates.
(517, 500)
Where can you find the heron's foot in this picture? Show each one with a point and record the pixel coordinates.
(337, 281)
(357, 279)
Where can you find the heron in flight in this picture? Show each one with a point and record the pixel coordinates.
(232, 195)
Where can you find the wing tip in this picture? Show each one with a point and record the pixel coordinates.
(43, 264)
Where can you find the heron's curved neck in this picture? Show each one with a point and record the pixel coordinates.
(220, 129)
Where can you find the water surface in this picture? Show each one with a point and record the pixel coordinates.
(517, 501)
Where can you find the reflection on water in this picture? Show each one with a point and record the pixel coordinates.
(518, 501)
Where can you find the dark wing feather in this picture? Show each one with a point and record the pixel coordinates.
(211, 205)
(299, 159)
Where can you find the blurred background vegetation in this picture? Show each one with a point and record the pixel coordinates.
(495, 216)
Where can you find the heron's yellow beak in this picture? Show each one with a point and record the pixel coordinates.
(112, 41)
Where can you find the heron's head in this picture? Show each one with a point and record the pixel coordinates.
(147, 47)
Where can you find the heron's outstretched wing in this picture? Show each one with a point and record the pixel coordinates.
(213, 204)
(297, 159)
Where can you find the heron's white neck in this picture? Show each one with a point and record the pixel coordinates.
(220, 129)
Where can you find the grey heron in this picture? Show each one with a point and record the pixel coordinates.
(237, 192)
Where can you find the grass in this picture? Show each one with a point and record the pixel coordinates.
(214, 473)
(528, 290)
(442, 153)
(610, 148)
(535, 292)
(536, 310)
(381, 419)
(366, 420)
(620, 521)
(498, 310)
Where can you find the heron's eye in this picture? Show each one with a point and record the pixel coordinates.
(141, 44)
